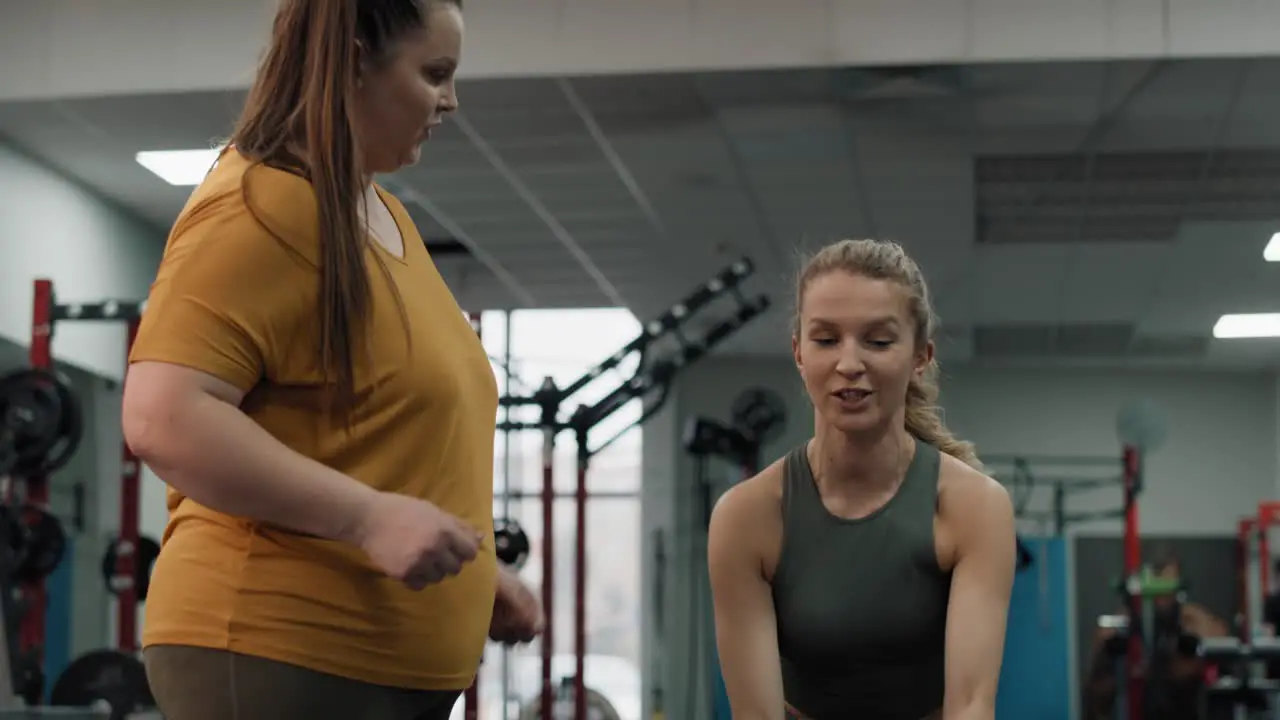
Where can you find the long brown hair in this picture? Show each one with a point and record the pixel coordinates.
(883, 260)
(299, 116)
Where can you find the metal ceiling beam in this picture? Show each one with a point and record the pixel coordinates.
(522, 293)
(615, 160)
(768, 229)
(1098, 130)
(531, 199)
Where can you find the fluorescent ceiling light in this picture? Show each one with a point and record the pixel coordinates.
(1272, 251)
(1248, 325)
(179, 167)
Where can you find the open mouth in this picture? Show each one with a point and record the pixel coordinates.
(852, 395)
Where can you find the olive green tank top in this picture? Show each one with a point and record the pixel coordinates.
(861, 604)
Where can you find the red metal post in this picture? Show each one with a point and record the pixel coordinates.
(1244, 540)
(580, 585)
(31, 628)
(548, 561)
(1268, 513)
(1132, 563)
(127, 555)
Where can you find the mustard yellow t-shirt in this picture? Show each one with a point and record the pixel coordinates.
(234, 301)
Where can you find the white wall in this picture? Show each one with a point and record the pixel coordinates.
(1221, 456)
(51, 227)
(1219, 460)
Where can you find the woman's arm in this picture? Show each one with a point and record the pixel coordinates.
(230, 303)
(746, 626)
(188, 427)
(981, 518)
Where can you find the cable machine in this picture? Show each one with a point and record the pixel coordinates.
(651, 384)
(758, 416)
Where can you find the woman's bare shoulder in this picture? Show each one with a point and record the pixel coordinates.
(748, 516)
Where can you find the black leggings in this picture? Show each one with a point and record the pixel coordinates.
(191, 683)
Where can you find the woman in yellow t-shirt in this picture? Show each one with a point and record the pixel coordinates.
(308, 388)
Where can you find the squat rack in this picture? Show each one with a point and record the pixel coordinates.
(1252, 535)
(652, 382)
(1022, 481)
(47, 313)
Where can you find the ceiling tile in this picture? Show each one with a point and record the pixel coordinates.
(1156, 221)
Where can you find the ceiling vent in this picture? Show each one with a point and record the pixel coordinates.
(1120, 196)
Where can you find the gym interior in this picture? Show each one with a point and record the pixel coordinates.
(621, 205)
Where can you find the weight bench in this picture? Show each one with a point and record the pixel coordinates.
(1241, 684)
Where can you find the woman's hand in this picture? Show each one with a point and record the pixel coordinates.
(414, 541)
(517, 614)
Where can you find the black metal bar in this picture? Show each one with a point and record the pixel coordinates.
(663, 372)
(670, 320)
(566, 495)
(1063, 460)
(580, 579)
(663, 394)
(106, 310)
(77, 507)
(1059, 510)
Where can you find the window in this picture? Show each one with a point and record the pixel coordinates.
(564, 344)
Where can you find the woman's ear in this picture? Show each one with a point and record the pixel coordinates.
(924, 358)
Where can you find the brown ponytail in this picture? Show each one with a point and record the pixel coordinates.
(299, 116)
(924, 419)
(889, 261)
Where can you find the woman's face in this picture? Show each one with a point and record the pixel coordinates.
(403, 98)
(856, 350)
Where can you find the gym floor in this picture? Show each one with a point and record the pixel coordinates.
(1084, 223)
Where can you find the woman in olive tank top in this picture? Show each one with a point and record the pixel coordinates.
(867, 574)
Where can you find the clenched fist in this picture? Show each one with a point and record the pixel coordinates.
(414, 541)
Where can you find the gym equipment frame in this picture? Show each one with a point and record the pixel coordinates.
(651, 384)
(1022, 482)
(1254, 545)
(47, 314)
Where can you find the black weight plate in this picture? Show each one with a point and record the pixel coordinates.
(108, 676)
(13, 536)
(42, 420)
(144, 561)
(43, 547)
(510, 542)
(71, 429)
(29, 412)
